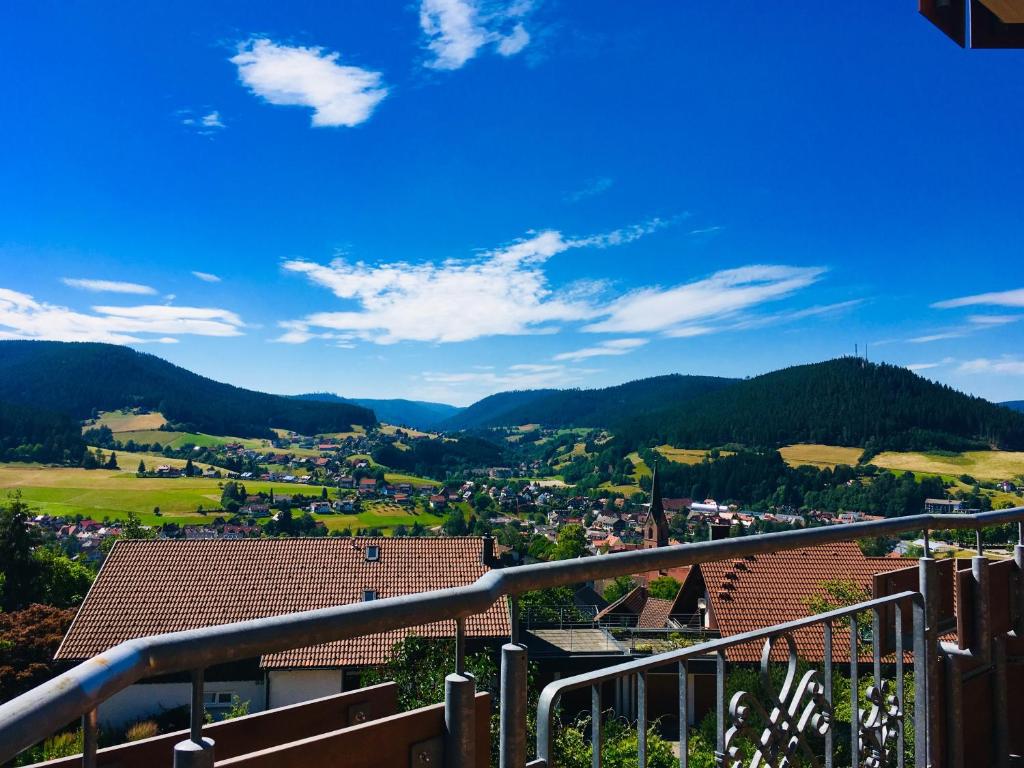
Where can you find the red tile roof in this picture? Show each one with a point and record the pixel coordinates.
(654, 614)
(759, 591)
(151, 587)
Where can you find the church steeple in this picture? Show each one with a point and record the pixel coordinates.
(655, 523)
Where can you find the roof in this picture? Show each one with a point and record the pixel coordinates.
(156, 586)
(655, 613)
(762, 590)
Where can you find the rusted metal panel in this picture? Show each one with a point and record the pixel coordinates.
(908, 580)
(1001, 583)
(948, 15)
(965, 598)
(252, 732)
(384, 742)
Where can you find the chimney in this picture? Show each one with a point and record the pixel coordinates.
(487, 553)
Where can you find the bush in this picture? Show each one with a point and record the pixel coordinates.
(144, 729)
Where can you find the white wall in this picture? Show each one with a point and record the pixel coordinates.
(295, 686)
(142, 700)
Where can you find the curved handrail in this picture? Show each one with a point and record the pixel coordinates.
(34, 715)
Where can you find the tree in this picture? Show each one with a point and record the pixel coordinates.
(111, 462)
(455, 523)
(17, 540)
(28, 640)
(189, 469)
(132, 528)
(571, 543)
(618, 588)
(663, 588)
(142, 467)
(62, 582)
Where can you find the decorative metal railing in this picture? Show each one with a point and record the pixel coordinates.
(30, 718)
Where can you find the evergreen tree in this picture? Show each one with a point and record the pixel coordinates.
(111, 462)
(142, 467)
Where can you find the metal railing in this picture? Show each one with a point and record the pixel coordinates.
(77, 693)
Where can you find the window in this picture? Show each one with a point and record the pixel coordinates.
(372, 553)
(214, 699)
(369, 594)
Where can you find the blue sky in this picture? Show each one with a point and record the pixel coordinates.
(443, 199)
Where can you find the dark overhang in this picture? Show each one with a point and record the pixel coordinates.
(978, 23)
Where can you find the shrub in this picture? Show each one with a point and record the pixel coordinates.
(144, 729)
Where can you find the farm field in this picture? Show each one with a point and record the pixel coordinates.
(820, 455)
(126, 421)
(113, 494)
(983, 465)
(686, 455)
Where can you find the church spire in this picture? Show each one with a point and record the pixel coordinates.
(655, 523)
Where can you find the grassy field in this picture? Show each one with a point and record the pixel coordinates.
(126, 421)
(820, 455)
(113, 494)
(640, 468)
(686, 455)
(983, 465)
(128, 461)
(413, 480)
(389, 429)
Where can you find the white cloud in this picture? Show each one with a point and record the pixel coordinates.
(504, 292)
(211, 120)
(456, 30)
(1014, 298)
(206, 277)
(521, 376)
(22, 317)
(108, 286)
(285, 75)
(988, 321)
(1003, 365)
(205, 124)
(613, 347)
(592, 188)
(685, 309)
(943, 336)
(922, 366)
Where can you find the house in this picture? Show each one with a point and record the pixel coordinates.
(943, 506)
(154, 586)
(367, 485)
(320, 508)
(1007, 486)
(438, 501)
(255, 510)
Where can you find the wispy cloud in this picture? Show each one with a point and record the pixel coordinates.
(687, 309)
(23, 317)
(592, 188)
(206, 277)
(339, 95)
(974, 324)
(1007, 364)
(108, 286)
(205, 124)
(504, 292)
(942, 336)
(521, 376)
(613, 347)
(1014, 298)
(456, 30)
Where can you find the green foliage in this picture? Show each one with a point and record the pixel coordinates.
(79, 378)
(439, 458)
(572, 747)
(33, 434)
(663, 588)
(571, 542)
(455, 523)
(841, 593)
(618, 588)
(554, 604)
(61, 581)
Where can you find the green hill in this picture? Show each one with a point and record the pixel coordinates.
(1016, 405)
(585, 407)
(80, 378)
(417, 414)
(841, 402)
(33, 434)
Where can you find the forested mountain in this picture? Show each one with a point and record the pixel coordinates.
(78, 378)
(31, 434)
(847, 401)
(1016, 405)
(587, 407)
(417, 414)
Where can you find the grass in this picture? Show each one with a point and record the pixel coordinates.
(380, 515)
(640, 468)
(126, 421)
(820, 455)
(389, 429)
(413, 480)
(685, 455)
(128, 461)
(983, 465)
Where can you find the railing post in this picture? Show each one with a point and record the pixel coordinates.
(459, 721)
(512, 736)
(929, 583)
(197, 750)
(981, 643)
(90, 734)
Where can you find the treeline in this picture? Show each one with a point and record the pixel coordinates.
(81, 378)
(440, 458)
(842, 402)
(763, 480)
(29, 434)
(585, 407)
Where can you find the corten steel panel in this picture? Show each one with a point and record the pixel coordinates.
(948, 15)
(965, 598)
(1015, 705)
(384, 742)
(907, 580)
(1001, 579)
(252, 732)
(977, 720)
(988, 30)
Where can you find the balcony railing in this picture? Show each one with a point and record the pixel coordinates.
(990, 620)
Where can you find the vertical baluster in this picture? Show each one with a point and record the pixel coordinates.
(684, 714)
(854, 695)
(460, 646)
(829, 738)
(595, 724)
(197, 714)
(197, 750)
(513, 616)
(900, 745)
(876, 646)
(90, 737)
(922, 675)
(641, 719)
(720, 708)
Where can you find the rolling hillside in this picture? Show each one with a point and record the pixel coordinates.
(406, 413)
(586, 407)
(78, 378)
(846, 401)
(1016, 405)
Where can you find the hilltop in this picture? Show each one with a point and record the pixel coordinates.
(1016, 405)
(605, 407)
(418, 414)
(78, 379)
